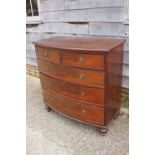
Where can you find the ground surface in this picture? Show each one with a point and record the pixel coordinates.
(53, 134)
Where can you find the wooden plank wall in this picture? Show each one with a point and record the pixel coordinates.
(80, 17)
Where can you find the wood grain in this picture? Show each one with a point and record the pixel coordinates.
(93, 96)
(79, 76)
(87, 15)
(82, 77)
(48, 54)
(83, 60)
(85, 43)
(113, 82)
(83, 4)
(76, 109)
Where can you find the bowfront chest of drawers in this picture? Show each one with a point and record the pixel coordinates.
(81, 77)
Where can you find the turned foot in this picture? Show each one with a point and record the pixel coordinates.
(116, 116)
(103, 130)
(47, 108)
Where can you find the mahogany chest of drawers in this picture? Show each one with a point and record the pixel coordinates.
(81, 77)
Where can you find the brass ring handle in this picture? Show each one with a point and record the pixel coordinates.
(82, 76)
(81, 59)
(82, 93)
(83, 111)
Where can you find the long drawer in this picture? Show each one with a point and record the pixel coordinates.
(79, 76)
(89, 94)
(92, 114)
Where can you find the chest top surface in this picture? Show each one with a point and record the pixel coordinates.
(80, 43)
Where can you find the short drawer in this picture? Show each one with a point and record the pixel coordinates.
(88, 94)
(83, 60)
(92, 114)
(79, 76)
(48, 54)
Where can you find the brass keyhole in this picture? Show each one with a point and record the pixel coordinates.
(82, 93)
(83, 111)
(82, 76)
(81, 59)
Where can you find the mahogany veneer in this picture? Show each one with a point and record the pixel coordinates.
(81, 77)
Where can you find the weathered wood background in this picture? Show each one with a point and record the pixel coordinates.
(82, 17)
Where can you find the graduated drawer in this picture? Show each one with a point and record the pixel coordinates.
(83, 60)
(48, 54)
(79, 76)
(88, 94)
(92, 114)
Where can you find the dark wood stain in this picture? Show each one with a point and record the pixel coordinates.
(76, 109)
(48, 54)
(79, 43)
(83, 60)
(93, 96)
(81, 77)
(113, 82)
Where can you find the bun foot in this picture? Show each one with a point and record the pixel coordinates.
(47, 108)
(116, 116)
(103, 130)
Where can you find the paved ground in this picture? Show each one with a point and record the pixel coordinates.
(53, 134)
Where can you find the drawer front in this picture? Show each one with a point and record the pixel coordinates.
(79, 76)
(48, 54)
(83, 60)
(77, 110)
(88, 94)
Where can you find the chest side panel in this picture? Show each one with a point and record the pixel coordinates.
(114, 68)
